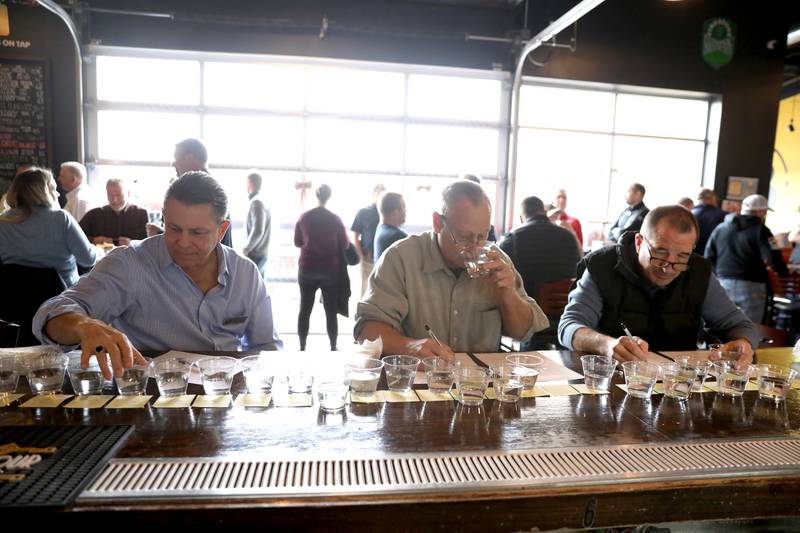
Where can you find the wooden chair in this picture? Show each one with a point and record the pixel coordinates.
(552, 298)
(771, 337)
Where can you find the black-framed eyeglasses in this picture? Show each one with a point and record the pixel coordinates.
(465, 243)
(663, 263)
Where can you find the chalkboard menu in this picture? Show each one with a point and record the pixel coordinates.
(23, 117)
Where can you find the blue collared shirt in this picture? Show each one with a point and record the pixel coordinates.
(142, 292)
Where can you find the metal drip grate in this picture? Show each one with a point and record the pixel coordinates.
(159, 478)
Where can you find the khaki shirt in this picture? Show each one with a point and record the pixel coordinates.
(412, 286)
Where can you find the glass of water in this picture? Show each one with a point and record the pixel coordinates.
(217, 372)
(731, 379)
(527, 368)
(259, 374)
(774, 382)
(678, 380)
(332, 387)
(476, 258)
(506, 383)
(701, 367)
(9, 374)
(172, 376)
(85, 381)
(439, 373)
(133, 381)
(46, 372)
(363, 374)
(640, 377)
(400, 372)
(471, 384)
(598, 371)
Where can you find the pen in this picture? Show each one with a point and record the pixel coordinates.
(627, 331)
(432, 335)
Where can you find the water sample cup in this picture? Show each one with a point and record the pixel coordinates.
(472, 384)
(731, 380)
(598, 371)
(400, 372)
(9, 374)
(218, 374)
(172, 376)
(259, 374)
(475, 259)
(506, 383)
(701, 367)
(640, 377)
(300, 379)
(332, 393)
(678, 380)
(363, 374)
(46, 372)
(133, 381)
(439, 373)
(774, 382)
(85, 381)
(526, 367)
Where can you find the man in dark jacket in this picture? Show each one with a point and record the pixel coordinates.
(633, 215)
(708, 216)
(662, 292)
(740, 249)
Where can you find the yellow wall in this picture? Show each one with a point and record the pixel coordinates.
(784, 195)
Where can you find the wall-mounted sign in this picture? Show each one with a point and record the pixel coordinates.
(719, 41)
(740, 188)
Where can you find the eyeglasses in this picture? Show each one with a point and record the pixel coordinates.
(478, 242)
(663, 263)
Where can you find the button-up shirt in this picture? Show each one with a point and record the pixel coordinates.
(412, 286)
(79, 201)
(141, 291)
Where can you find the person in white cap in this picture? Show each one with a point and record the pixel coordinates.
(740, 249)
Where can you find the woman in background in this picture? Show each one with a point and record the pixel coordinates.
(35, 232)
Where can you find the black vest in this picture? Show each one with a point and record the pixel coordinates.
(668, 318)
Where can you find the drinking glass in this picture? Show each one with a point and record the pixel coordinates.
(259, 374)
(774, 382)
(363, 374)
(506, 383)
(475, 259)
(300, 377)
(678, 380)
(218, 374)
(439, 373)
(731, 379)
(85, 381)
(9, 374)
(526, 367)
(172, 376)
(472, 384)
(598, 371)
(332, 387)
(701, 367)
(46, 372)
(640, 377)
(400, 372)
(133, 381)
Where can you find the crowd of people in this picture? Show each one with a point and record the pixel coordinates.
(673, 275)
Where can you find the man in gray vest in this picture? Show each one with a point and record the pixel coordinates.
(652, 283)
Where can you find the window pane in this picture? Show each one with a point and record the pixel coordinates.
(569, 109)
(243, 140)
(143, 136)
(547, 162)
(665, 117)
(255, 86)
(352, 144)
(451, 150)
(669, 169)
(336, 90)
(453, 98)
(146, 80)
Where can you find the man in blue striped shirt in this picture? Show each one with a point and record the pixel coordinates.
(181, 290)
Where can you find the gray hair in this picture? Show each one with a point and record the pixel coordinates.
(460, 189)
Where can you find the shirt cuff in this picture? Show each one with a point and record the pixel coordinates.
(62, 309)
(568, 333)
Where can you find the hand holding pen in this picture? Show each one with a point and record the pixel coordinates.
(430, 347)
(628, 348)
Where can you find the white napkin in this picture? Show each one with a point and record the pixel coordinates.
(373, 349)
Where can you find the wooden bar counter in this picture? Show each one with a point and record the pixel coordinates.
(364, 430)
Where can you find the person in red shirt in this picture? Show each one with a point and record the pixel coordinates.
(561, 203)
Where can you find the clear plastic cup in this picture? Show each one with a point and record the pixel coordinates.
(678, 380)
(731, 379)
(133, 381)
(527, 368)
(471, 384)
(640, 377)
(217, 373)
(259, 374)
(439, 373)
(400, 372)
(85, 381)
(774, 382)
(172, 376)
(701, 367)
(475, 259)
(506, 383)
(363, 374)
(9, 374)
(598, 371)
(45, 372)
